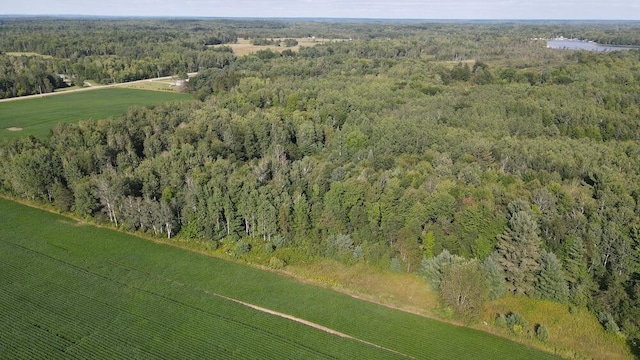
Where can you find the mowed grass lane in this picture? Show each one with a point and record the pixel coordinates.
(76, 291)
(36, 116)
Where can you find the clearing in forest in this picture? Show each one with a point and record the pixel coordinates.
(245, 47)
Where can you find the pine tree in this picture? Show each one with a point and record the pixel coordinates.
(577, 273)
(551, 283)
(433, 269)
(518, 252)
(495, 277)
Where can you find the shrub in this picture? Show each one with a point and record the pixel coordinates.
(516, 323)
(279, 241)
(396, 265)
(542, 333)
(242, 248)
(276, 263)
(501, 321)
(358, 253)
(269, 248)
(211, 244)
(608, 322)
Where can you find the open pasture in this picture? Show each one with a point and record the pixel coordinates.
(37, 115)
(245, 47)
(70, 290)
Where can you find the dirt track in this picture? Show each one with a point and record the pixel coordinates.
(309, 323)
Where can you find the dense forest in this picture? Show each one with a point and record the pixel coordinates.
(467, 153)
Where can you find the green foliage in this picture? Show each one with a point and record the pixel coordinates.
(428, 243)
(290, 42)
(516, 323)
(241, 248)
(495, 278)
(276, 263)
(433, 269)
(551, 283)
(501, 320)
(279, 241)
(339, 247)
(518, 251)
(464, 287)
(396, 265)
(577, 273)
(542, 333)
(608, 322)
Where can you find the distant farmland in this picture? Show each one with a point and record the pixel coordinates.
(245, 47)
(36, 116)
(70, 290)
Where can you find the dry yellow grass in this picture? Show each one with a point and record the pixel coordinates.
(160, 85)
(573, 335)
(407, 292)
(244, 46)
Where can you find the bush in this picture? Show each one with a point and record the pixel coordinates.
(608, 322)
(358, 253)
(542, 333)
(501, 321)
(269, 248)
(276, 263)
(242, 248)
(279, 241)
(396, 265)
(211, 244)
(516, 323)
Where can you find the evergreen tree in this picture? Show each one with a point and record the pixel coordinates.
(577, 273)
(495, 277)
(518, 252)
(433, 269)
(551, 283)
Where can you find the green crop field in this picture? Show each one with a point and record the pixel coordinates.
(70, 290)
(36, 116)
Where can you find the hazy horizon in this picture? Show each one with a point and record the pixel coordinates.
(339, 9)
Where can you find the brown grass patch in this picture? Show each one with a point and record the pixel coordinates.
(154, 86)
(406, 292)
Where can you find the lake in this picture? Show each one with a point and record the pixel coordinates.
(569, 44)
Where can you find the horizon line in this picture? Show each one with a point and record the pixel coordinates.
(199, 17)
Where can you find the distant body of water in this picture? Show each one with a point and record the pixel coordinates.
(569, 44)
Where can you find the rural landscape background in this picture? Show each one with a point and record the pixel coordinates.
(287, 188)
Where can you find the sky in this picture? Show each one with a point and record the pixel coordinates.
(372, 9)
